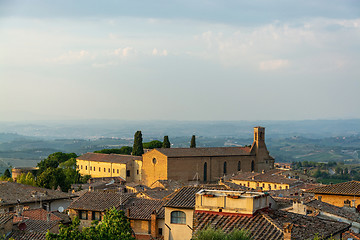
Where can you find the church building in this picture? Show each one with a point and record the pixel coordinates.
(205, 164)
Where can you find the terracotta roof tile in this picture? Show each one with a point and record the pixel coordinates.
(5, 217)
(273, 176)
(269, 225)
(21, 235)
(37, 214)
(10, 192)
(99, 201)
(351, 235)
(183, 198)
(197, 152)
(156, 193)
(114, 158)
(347, 188)
(141, 208)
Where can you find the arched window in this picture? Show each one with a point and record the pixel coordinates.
(205, 172)
(252, 166)
(178, 217)
(225, 168)
(239, 165)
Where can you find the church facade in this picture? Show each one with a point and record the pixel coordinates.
(205, 164)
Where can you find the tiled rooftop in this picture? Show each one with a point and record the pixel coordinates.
(183, 198)
(269, 225)
(204, 152)
(141, 208)
(21, 235)
(338, 211)
(273, 176)
(99, 201)
(347, 188)
(113, 158)
(5, 217)
(155, 193)
(10, 192)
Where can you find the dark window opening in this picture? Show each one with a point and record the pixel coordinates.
(160, 232)
(128, 173)
(96, 216)
(239, 165)
(178, 217)
(83, 215)
(225, 170)
(205, 172)
(252, 166)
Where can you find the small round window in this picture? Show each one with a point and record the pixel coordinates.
(154, 160)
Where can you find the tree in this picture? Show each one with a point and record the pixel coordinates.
(7, 173)
(218, 234)
(193, 143)
(30, 179)
(152, 144)
(53, 160)
(115, 225)
(72, 175)
(166, 142)
(123, 150)
(52, 178)
(138, 149)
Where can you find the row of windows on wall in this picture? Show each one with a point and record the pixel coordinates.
(83, 215)
(117, 170)
(225, 168)
(264, 185)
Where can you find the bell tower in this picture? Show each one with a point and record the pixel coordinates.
(263, 161)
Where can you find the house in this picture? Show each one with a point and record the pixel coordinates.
(99, 165)
(15, 195)
(146, 216)
(205, 164)
(230, 210)
(179, 211)
(327, 211)
(266, 180)
(347, 193)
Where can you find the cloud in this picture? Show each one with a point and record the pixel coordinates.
(273, 64)
(156, 52)
(74, 56)
(125, 52)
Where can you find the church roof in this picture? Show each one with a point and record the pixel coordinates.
(113, 158)
(204, 152)
(351, 188)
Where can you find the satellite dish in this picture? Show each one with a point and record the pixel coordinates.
(22, 226)
(61, 209)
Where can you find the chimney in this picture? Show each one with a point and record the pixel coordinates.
(154, 225)
(287, 230)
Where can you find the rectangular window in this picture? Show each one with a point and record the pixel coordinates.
(96, 216)
(99, 169)
(118, 171)
(160, 232)
(83, 215)
(109, 170)
(104, 169)
(113, 170)
(137, 172)
(128, 173)
(90, 168)
(85, 167)
(81, 166)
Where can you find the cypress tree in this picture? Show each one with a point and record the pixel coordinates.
(7, 173)
(166, 142)
(193, 143)
(138, 149)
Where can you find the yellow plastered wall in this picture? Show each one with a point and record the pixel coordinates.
(338, 200)
(178, 231)
(101, 169)
(153, 170)
(266, 186)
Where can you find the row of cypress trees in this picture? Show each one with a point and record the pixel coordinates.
(138, 148)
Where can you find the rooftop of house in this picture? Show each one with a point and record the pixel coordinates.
(11, 193)
(204, 152)
(183, 198)
(351, 188)
(271, 176)
(351, 235)
(155, 193)
(269, 225)
(18, 234)
(36, 214)
(140, 208)
(335, 210)
(99, 201)
(224, 193)
(234, 186)
(295, 190)
(113, 158)
(5, 217)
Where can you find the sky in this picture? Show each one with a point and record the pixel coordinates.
(179, 60)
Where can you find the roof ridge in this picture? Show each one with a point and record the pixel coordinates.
(271, 221)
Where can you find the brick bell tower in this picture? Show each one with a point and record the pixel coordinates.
(263, 160)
